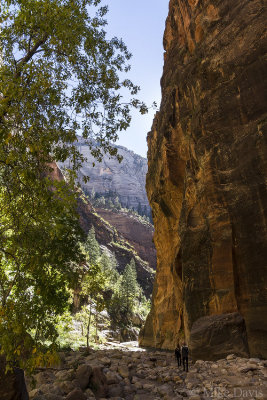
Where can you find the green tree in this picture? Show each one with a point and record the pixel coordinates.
(93, 286)
(59, 75)
(92, 247)
(129, 286)
(39, 249)
(117, 203)
(100, 202)
(108, 264)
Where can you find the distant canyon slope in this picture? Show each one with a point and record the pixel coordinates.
(126, 178)
(206, 182)
(121, 233)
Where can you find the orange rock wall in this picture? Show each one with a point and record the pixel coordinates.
(207, 168)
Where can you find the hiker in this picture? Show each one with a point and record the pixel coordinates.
(185, 352)
(177, 353)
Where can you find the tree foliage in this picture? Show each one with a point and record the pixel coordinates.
(129, 286)
(92, 247)
(127, 296)
(59, 76)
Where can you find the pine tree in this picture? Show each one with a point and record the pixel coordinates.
(92, 247)
(129, 286)
(108, 264)
(117, 203)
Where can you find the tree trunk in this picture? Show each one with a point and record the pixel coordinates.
(88, 327)
(96, 322)
(12, 385)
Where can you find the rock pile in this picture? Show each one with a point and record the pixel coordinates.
(148, 375)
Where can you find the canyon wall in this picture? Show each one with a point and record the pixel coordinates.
(127, 178)
(119, 233)
(206, 181)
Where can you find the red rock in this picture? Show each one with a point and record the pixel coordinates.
(207, 170)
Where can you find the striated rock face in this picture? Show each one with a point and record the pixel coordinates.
(207, 169)
(121, 234)
(126, 178)
(137, 234)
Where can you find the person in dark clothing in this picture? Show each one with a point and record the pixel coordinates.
(185, 352)
(178, 355)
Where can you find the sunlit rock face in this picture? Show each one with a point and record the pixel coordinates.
(207, 168)
(126, 178)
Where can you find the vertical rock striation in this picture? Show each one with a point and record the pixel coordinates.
(206, 181)
(127, 178)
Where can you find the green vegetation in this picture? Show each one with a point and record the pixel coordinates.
(110, 201)
(59, 77)
(103, 289)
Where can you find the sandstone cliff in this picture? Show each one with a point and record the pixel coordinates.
(121, 234)
(126, 178)
(206, 181)
(139, 235)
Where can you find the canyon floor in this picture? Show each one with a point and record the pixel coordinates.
(124, 371)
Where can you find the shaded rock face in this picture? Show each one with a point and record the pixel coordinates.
(126, 178)
(216, 336)
(207, 165)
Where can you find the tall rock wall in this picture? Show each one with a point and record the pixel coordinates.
(127, 178)
(206, 181)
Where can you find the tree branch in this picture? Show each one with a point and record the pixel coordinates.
(30, 54)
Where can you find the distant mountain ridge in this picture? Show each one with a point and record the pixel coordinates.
(127, 178)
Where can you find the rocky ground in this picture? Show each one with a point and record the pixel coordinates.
(130, 373)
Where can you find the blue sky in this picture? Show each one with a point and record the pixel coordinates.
(140, 23)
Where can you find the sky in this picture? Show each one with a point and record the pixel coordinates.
(140, 23)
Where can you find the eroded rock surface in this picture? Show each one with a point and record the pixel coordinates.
(207, 171)
(128, 238)
(126, 178)
(124, 374)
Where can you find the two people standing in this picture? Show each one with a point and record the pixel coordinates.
(182, 353)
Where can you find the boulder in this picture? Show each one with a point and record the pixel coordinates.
(112, 377)
(83, 375)
(98, 382)
(213, 337)
(66, 386)
(115, 390)
(123, 371)
(76, 394)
